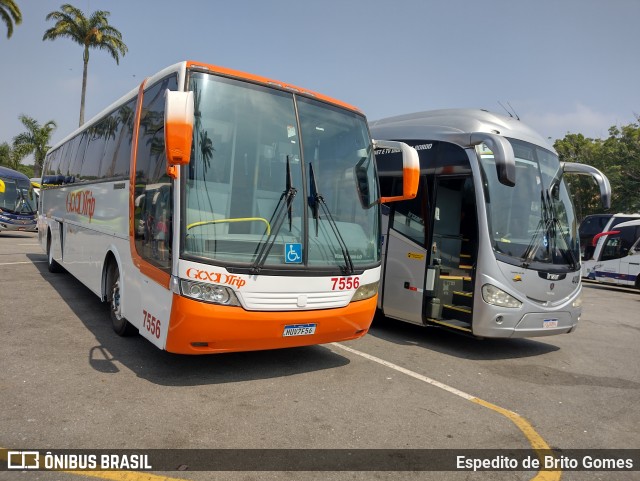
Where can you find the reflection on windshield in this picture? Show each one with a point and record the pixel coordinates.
(17, 197)
(252, 146)
(532, 223)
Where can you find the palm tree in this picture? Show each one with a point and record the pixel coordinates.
(12, 156)
(34, 141)
(10, 14)
(92, 32)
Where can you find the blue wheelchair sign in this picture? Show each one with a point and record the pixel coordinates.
(293, 253)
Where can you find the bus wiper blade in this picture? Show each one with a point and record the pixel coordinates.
(535, 243)
(314, 196)
(567, 253)
(316, 199)
(284, 205)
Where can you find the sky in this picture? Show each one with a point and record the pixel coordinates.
(563, 66)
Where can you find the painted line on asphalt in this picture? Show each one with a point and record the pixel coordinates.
(535, 440)
(23, 262)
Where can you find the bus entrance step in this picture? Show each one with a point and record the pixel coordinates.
(451, 324)
(460, 313)
(463, 298)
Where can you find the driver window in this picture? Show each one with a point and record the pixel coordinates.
(611, 249)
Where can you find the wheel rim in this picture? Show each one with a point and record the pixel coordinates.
(115, 300)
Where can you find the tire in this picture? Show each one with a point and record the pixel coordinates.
(121, 326)
(51, 263)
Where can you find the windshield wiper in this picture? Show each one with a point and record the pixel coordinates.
(567, 253)
(283, 207)
(316, 199)
(534, 243)
(550, 224)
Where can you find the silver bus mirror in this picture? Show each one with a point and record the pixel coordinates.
(601, 180)
(502, 153)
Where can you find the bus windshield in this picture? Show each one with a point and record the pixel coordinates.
(16, 196)
(277, 179)
(531, 224)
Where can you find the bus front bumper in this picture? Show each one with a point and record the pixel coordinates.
(201, 328)
(532, 324)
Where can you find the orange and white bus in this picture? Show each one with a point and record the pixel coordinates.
(218, 211)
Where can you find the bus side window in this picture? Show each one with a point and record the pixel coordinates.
(153, 215)
(410, 215)
(611, 249)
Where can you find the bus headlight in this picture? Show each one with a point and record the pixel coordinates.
(365, 291)
(212, 293)
(497, 297)
(577, 302)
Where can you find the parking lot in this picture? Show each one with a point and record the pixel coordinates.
(68, 382)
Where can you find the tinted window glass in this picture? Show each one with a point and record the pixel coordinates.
(93, 155)
(122, 152)
(75, 164)
(111, 135)
(52, 163)
(154, 193)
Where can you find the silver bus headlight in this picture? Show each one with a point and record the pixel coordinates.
(497, 297)
(365, 291)
(577, 302)
(212, 293)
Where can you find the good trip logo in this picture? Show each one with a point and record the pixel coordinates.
(82, 203)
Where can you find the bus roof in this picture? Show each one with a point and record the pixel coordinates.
(431, 124)
(629, 223)
(12, 174)
(181, 68)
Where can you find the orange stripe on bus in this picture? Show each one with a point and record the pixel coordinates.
(268, 81)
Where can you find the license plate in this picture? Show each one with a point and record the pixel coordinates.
(299, 330)
(549, 323)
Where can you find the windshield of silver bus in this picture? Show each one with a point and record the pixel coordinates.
(532, 224)
(250, 196)
(17, 197)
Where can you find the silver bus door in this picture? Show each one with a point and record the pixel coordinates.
(404, 274)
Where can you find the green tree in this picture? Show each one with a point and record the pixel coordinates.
(12, 156)
(617, 156)
(34, 141)
(93, 32)
(10, 14)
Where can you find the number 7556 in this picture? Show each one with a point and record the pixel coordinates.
(345, 283)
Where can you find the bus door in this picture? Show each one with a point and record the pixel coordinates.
(453, 248)
(630, 265)
(406, 259)
(607, 269)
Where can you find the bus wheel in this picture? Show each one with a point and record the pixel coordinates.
(120, 324)
(51, 263)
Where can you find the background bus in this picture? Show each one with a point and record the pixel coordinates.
(18, 204)
(616, 258)
(489, 246)
(217, 211)
(593, 225)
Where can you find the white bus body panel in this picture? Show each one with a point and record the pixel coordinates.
(266, 293)
(87, 222)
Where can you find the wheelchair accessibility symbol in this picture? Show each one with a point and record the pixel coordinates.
(293, 253)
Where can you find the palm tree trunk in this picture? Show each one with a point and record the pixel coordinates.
(85, 59)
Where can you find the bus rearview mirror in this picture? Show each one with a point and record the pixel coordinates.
(410, 169)
(178, 127)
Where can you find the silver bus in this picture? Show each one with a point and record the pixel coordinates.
(490, 244)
